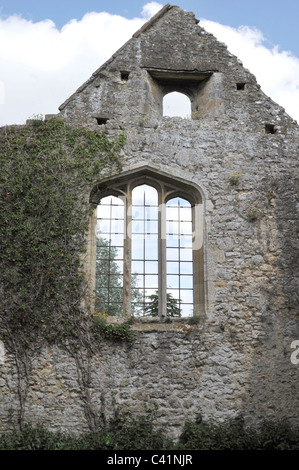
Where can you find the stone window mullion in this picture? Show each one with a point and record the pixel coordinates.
(198, 268)
(170, 260)
(162, 255)
(127, 253)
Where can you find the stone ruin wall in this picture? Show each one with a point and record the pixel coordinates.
(238, 358)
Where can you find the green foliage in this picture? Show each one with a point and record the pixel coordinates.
(234, 179)
(173, 310)
(107, 264)
(47, 171)
(115, 332)
(128, 432)
(123, 432)
(233, 434)
(32, 438)
(194, 320)
(254, 214)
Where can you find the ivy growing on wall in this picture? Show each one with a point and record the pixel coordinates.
(47, 171)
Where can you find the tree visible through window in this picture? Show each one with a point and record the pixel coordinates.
(109, 256)
(146, 256)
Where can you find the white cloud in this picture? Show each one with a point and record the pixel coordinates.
(276, 71)
(41, 66)
(150, 9)
(2, 99)
(176, 104)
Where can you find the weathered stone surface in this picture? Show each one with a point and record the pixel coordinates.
(238, 358)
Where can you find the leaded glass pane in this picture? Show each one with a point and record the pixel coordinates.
(179, 256)
(109, 256)
(144, 248)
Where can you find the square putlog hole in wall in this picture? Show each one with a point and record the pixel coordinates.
(270, 129)
(102, 120)
(124, 76)
(240, 86)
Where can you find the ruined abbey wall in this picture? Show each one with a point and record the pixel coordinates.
(237, 359)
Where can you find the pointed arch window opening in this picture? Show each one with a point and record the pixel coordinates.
(145, 252)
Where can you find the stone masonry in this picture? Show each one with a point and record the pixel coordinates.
(237, 359)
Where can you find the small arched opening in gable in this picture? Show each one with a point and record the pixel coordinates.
(176, 104)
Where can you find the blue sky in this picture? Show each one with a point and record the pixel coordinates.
(277, 19)
(43, 62)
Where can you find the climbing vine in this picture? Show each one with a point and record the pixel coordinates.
(47, 170)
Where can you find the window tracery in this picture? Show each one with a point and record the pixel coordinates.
(149, 253)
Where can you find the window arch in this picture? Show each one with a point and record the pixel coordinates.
(177, 104)
(149, 253)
